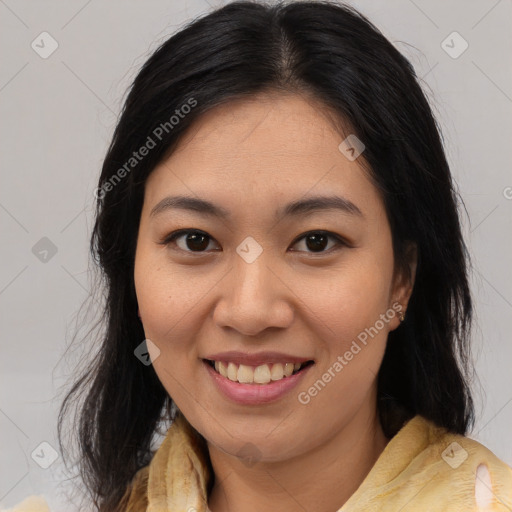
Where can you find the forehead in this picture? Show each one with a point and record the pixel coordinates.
(270, 148)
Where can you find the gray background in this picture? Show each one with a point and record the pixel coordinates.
(58, 115)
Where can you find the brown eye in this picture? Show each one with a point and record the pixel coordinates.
(317, 241)
(192, 240)
(196, 241)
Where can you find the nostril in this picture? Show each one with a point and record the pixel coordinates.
(483, 486)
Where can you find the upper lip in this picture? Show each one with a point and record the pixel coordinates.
(257, 358)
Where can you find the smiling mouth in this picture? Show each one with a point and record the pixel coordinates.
(262, 374)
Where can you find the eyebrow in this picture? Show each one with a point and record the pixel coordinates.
(295, 208)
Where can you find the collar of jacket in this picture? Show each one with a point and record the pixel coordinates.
(423, 466)
(176, 479)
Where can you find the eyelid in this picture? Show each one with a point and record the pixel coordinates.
(171, 237)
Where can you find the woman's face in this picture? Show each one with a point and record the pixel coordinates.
(254, 283)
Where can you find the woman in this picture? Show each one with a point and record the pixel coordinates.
(287, 281)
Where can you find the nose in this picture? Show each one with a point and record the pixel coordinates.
(254, 298)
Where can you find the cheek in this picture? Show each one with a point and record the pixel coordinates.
(346, 311)
(173, 309)
(165, 296)
(159, 304)
(350, 299)
(169, 305)
(352, 336)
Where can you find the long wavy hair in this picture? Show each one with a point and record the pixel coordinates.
(331, 51)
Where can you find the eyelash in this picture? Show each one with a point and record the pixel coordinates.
(176, 234)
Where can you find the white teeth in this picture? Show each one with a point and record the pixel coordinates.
(245, 374)
(277, 372)
(222, 368)
(262, 374)
(288, 369)
(232, 371)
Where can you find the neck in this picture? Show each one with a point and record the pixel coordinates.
(322, 479)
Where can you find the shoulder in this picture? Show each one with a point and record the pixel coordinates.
(30, 504)
(424, 468)
(458, 467)
(136, 495)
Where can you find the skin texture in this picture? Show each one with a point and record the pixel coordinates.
(252, 157)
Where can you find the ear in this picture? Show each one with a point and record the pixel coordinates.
(403, 282)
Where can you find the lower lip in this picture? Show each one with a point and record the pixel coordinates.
(254, 394)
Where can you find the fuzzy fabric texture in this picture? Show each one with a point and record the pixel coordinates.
(423, 468)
